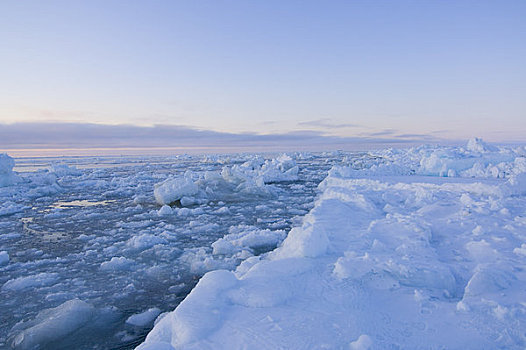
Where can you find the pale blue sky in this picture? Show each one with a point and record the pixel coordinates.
(441, 69)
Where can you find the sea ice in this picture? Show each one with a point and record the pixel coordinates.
(401, 247)
(144, 318)
(242, 237)
(145, 241)
(174, 189)
(90, 228)
(232, 183)
(363, 342)
(165, 210)
(4, 258)
(73, 317)
(53, 324)
(38, 280)
(7, 176)
(62, 169)
(117, 264)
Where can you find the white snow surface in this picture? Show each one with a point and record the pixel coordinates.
(404, 249)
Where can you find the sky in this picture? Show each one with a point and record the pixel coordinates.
(399, 71)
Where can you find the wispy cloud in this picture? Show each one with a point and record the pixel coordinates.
(417, 136)
(385, 132)
(397, 134)
(441, 132)
(327, 123)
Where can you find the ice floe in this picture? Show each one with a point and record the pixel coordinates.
(67, 322)
(7, 175)
(144, 318)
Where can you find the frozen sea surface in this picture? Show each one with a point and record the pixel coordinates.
(84, 242)
(391, 249)
(421, 248)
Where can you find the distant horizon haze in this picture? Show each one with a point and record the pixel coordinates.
(77, 139)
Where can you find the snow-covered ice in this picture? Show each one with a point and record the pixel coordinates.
(7, 176)
(4, 258)
(39, 280)
(237, 182)
(394, 248)
(410, 249)
(144, 318)
(65, 324)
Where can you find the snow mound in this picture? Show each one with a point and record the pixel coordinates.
(188, 325)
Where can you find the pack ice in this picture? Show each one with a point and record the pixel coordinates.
(91, 252)
(246, 180)
(403, 249)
